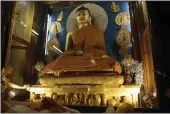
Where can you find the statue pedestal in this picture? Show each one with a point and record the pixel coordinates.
(90, 95)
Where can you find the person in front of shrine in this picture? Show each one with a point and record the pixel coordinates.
(7, 84)
(6, 87)
(45, 105)
(84, 50)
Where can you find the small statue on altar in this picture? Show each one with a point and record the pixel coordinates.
(149, 100)
(91, 101)
(97, 100)
(42, 96)
(125, 99)
(128, 78)
(125, 108)
(111, 105)
(54, 96)
(74, 99)
(80, 98)
(38, 67)
(104, 100)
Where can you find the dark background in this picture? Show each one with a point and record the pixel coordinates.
(159, 13)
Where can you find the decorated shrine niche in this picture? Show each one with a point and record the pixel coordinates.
(88, 56)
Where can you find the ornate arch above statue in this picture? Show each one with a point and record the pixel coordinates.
(97, 12)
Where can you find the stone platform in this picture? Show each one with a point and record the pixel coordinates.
(87, 95)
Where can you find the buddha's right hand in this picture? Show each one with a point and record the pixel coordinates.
(79, 52)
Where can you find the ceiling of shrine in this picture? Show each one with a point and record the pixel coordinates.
(54, 5)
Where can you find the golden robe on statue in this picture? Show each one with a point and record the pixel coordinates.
(92, 40)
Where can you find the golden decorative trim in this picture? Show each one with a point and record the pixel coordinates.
(91, 95)
(102, 80)
(114, 7)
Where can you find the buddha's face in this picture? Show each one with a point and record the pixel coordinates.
(83, 17)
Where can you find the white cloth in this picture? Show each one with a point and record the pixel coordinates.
(20, 109)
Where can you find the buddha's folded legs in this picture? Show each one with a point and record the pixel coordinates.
(81, 63)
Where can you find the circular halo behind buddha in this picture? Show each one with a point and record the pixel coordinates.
(97, 12)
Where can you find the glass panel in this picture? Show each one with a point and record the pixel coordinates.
(23, 20)
(22, 26)
(17, 62)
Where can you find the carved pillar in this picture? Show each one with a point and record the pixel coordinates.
(85, 99)
(134, 100)
(104, 100)
(54, 96)
(80, 98)
(49, 95)
(35, 96)
(66, 98)
(42, 96)
(32, 94)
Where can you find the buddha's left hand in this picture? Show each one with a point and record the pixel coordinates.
(105, 56)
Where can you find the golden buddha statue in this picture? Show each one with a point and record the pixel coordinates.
(84, 50)
(78, 69)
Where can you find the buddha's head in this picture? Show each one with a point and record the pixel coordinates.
(83, 16)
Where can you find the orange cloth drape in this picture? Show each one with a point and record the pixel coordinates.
(92, 40)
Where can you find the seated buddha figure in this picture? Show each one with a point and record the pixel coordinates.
(85, 49)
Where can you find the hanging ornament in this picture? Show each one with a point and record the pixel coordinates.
(114, 7)
(122, 18)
